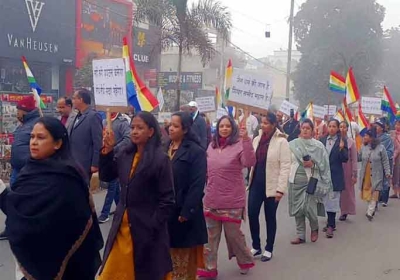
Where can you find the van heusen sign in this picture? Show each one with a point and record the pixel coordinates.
(42, 30)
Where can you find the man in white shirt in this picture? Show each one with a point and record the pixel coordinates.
(251, 123)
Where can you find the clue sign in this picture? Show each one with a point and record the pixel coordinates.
(42, 30)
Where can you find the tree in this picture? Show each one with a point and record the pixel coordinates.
(186, 27)
(336, 35)
(84, 76)
(391, 62)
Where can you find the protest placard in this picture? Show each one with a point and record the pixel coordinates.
(206, 103)
(319, 111)
(286, 106)
(109, 85)
(250, 91)
(371, 105)
(330, 109)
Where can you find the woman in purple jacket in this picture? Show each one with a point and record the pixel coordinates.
(225, 195)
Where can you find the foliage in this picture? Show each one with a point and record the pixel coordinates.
(84, 76)
(186, 26)
(389, 73)
(336, 35)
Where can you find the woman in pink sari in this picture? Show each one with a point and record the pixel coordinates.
(396, 161)
(348, 196)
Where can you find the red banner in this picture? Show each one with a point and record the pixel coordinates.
(15, 97)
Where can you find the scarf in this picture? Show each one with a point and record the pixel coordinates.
(262, 149)
(222, 142)
(50, 219)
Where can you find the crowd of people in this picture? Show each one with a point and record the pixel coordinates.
(177, 187)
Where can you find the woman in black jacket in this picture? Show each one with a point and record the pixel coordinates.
(187, 227)
(53, 229)
(138, 243)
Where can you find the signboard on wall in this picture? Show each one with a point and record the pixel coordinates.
(189, 80)
(33, 28)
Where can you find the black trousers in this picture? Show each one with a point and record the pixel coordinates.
(257, 197)
(331, 219)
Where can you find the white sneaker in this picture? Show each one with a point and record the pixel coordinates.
(244, 271)
(255, 252)
(267, 256)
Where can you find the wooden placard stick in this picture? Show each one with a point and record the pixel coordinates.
(108, 120)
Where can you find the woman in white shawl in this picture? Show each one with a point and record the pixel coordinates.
(309, 159)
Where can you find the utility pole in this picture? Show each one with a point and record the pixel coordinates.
(289, 62)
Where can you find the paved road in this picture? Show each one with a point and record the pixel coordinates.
(360, 250)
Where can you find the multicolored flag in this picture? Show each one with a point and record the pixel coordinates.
(348, 116)
(339, 116)
(337, 83)
(362, 121)
(139, 96)
(36, 90)
(218, 98)
(388, 105)
(308, 113)
(352, 93)
(228, 85)
(398, 112)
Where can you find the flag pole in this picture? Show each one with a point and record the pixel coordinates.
(35, 97)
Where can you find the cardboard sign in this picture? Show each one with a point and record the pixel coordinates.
(109, 85)
(206, 103)
(319, 111)
(371, 105)
(250, 89)
(286, 106)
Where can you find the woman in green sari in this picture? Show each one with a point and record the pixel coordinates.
(309, 159)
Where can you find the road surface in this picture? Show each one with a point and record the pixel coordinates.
(360, 250)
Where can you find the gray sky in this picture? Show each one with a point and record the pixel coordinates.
(250, 19)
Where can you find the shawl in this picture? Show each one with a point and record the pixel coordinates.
(262, 149)
(49, 217)
(315, 149)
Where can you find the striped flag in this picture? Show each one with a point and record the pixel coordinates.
(352, 93)
(228, 85)
(337, 83)
(362, 121)
(139, 96)
(339, 116)
(388, 105)
(36, 90)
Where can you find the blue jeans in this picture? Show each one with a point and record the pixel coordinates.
(112, 195)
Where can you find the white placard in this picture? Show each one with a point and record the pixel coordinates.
(250, 89)
(162, 116)
(286, 106)
(206, 103)
(109, 85)
(319, 111)
(221, 112)
(371, 105)
(331, 109)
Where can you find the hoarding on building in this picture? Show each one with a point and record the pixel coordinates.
(189, 80)
(41, 30)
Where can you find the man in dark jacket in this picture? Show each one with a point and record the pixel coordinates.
(86, 135)
(28, 115)
(199, 124)
(121, 129)
(292, 127)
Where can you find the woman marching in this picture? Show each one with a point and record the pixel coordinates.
(396, 161)
(138, 243)
(310, 181)
(225, 196)
(187, 226)
(53, 229)
(348, 195)
(375, 165)
(338, 152)
(268, 182)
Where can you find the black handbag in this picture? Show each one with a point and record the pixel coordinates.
(312, 184)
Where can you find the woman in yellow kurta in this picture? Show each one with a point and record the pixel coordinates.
(375, 164)
(138, 244)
